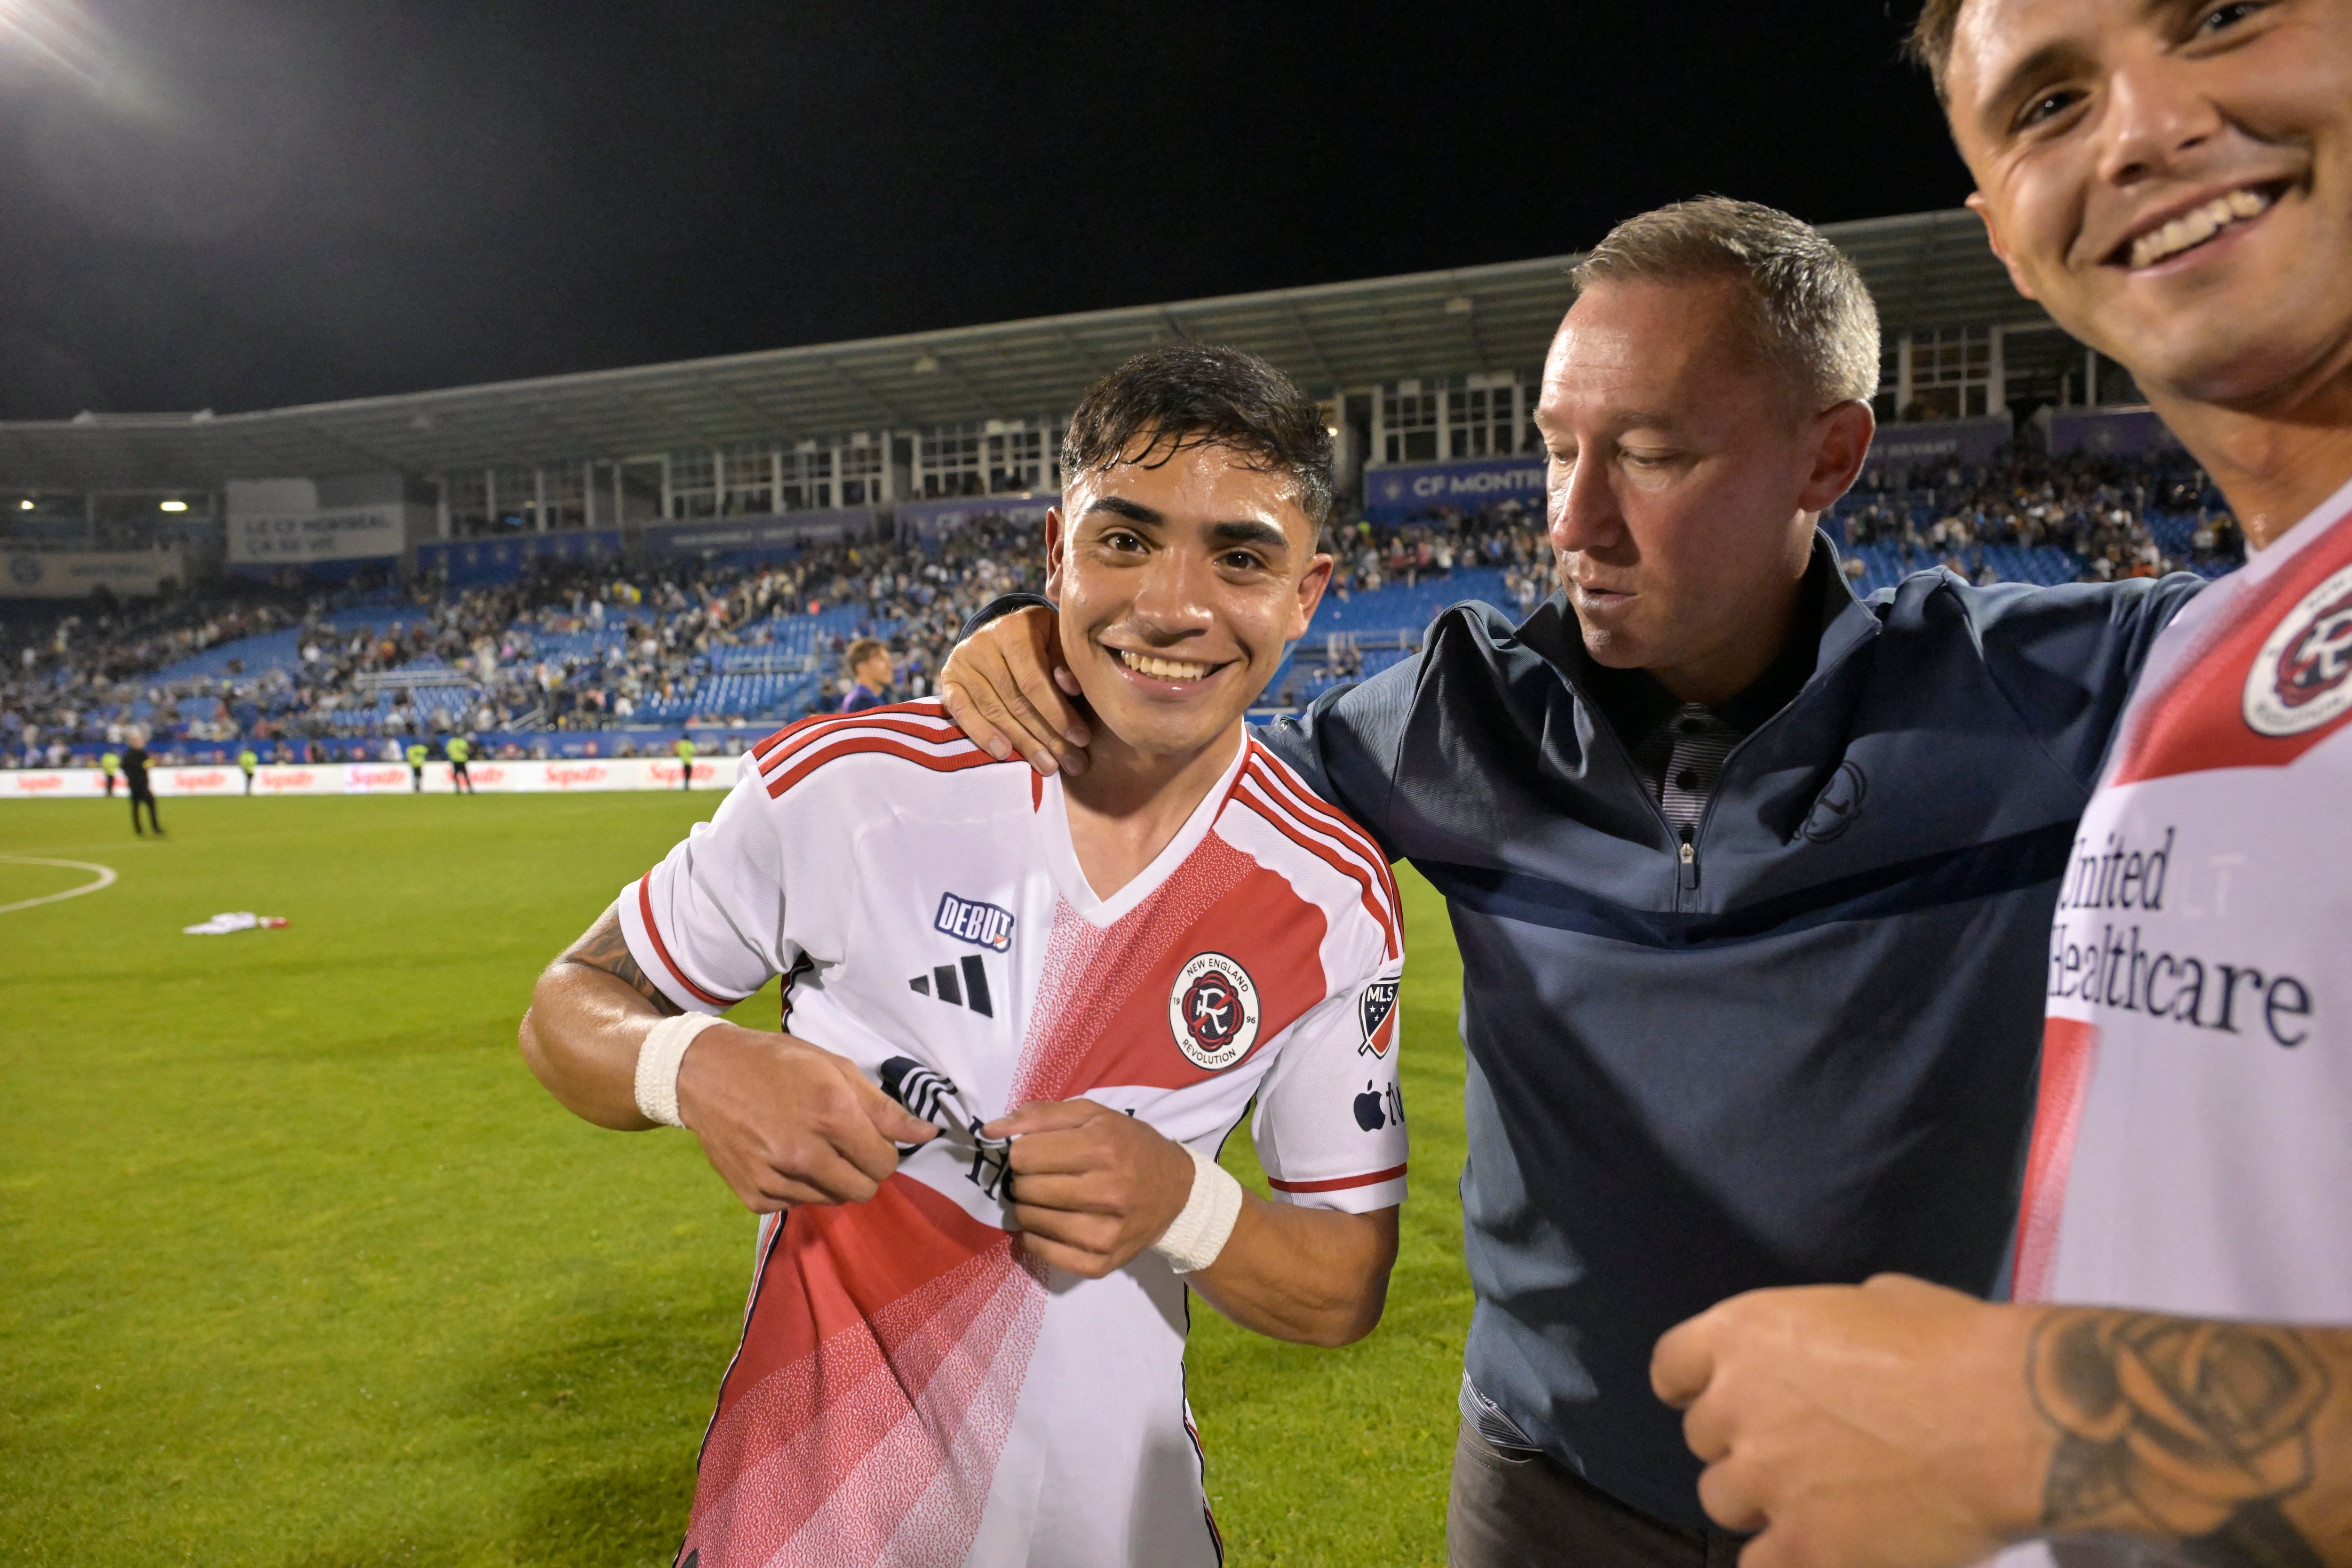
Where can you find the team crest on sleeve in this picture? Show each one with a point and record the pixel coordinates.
(1376, 1010)
(1213, 1011)
(2302, 676)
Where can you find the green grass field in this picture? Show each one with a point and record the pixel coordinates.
(299, 1266)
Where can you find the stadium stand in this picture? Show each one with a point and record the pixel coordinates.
(584, 659)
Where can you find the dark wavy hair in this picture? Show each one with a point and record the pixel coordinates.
(1184, 396)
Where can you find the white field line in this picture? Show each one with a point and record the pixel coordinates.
(105, 878)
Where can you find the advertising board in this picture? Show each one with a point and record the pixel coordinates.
(489, 777)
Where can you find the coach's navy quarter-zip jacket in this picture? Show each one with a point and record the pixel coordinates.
(1799, 1048)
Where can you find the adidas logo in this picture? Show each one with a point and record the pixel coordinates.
(942, 982)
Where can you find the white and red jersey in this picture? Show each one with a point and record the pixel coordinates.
(2193, 1148)
(2193, 1143)
(912, 1388)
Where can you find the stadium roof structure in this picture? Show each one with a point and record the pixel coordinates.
(1926, 270)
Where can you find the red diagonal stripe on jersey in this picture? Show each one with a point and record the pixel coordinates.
(1343, 864)
(661, 948)
(2198, 723)
(1099, 1013)
(2069, 1049)
(1275, 770)
(954, 762)
(1337, 1183)
(882, 1360)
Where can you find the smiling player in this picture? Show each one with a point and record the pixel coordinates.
(2173, 180)
(1064, 996)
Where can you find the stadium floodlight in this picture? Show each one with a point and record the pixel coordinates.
(1459, 305)
(24, 506)
(926, 365)
(176, 506)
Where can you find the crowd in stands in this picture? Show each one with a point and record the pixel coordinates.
(646, 654)
(2111, 517)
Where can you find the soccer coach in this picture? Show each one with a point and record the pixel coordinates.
(1751, 878)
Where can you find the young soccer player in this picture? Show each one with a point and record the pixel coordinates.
(2174, 182)
(1023, 1015)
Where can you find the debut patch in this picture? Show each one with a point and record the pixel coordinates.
(1213, 1011)
(2302, 676)
(968, 919)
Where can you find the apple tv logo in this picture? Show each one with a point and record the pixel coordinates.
(1375, 1108)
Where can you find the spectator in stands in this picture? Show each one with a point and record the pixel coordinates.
(868, 662)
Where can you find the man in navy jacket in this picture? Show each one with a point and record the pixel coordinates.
(1751, 879)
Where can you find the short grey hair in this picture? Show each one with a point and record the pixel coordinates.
(1814, 317)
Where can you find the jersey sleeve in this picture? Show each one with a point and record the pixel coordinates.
(1329, 1128)
(707, 924)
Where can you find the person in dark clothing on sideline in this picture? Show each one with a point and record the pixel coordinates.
(868, 662)
(134, 774)
(1752, 878)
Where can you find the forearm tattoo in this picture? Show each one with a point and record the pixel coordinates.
(605, 948)
(2201, 1431)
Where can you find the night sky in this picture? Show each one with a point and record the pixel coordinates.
(234, 205)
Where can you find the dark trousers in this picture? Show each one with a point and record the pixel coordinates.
(1511, 1508)
(459, 778)
(147, 798)
(685, 774)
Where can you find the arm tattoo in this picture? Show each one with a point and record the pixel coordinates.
(606, 948)
(2200, 1429)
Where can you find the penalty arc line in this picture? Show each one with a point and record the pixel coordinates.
(105, 878)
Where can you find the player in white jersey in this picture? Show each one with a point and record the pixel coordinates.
(1024, 1015)
(2174, 1384)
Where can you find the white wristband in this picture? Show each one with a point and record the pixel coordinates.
(1198, 1234)
(657, 1062)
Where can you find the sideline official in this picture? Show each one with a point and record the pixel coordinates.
(1751, 878)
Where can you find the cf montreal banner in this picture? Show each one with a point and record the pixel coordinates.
(781, 531)
(1940, 443)
(379, 778)
(1395, 493)
(503, 559)
(936, 519)
(75, 573)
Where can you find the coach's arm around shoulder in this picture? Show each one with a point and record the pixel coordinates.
(783, 1121)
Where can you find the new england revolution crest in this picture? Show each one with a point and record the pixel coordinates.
(1213, 1011)
(2302, 676)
